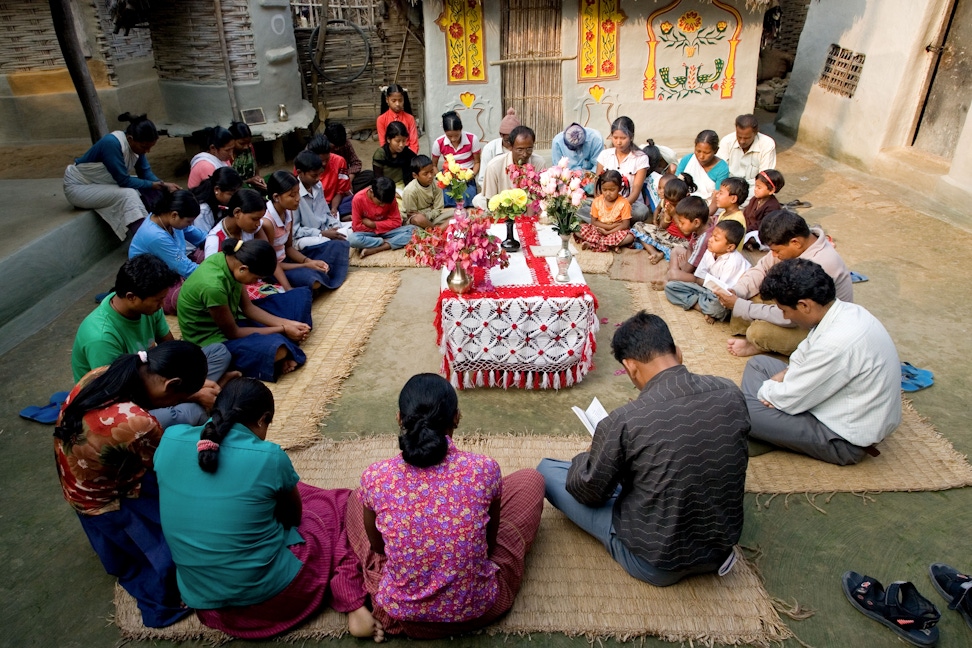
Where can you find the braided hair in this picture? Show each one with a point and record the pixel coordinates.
(242, 400)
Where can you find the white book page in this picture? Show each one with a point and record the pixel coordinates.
(713, 283)
(594, 414)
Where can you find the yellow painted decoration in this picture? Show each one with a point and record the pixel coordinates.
(467, 99)
(462, 23)
(730, 81)
(599, 24)
(597, 92)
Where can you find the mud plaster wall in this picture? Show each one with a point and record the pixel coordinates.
(674, 123)
(191, 106)
(892, 35)
(38, 101)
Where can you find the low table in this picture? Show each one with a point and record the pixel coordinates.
(526, 330)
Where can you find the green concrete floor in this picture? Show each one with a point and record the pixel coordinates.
(56, 593)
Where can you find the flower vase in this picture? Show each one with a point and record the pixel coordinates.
(563, 259)
(460, 209)
(510, 244)
(459, 281)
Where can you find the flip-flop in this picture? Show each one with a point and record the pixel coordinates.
(955, 587)
(101, 296)
(901, 607)
(798, 204)
(46, 414)
(857, 277)
(914, 379)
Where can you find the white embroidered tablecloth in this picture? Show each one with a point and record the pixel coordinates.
(526, 330)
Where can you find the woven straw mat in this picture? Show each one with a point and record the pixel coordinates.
(343, 321)
(571, 586)
(590, 262)
(913, 458)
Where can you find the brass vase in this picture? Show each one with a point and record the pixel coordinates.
(459, 281)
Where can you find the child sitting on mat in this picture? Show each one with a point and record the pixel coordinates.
(609, 228)
(764, 201)
(422, 200)
(663, 234)
(721, 260)
(376, 221)
(691, 216)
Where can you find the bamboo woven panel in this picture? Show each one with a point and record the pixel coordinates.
(913, 458)
(571, 585)
(27, 38)
(186, 41)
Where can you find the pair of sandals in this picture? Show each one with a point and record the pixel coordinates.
(903, 609)
(913, 378)
(46, 414)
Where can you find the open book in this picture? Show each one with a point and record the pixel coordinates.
(592, 415)
(714, 283)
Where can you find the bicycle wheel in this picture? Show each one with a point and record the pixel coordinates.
(353, 45)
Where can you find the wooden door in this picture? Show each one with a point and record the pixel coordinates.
(531, 65)
(950, 94)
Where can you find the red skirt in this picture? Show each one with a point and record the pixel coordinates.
(330, 575)
(598, 242)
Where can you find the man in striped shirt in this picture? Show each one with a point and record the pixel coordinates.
(841, 393)
(662, 485)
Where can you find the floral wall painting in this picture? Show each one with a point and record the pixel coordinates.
(597, 107)
(692, 52)
(473, 112)
(462, 23)
(598, 39)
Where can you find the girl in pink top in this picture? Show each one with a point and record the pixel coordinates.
(218, 153)
(441, 535)
(395, 106)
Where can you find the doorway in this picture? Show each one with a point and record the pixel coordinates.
(950, 94)
(531, 65)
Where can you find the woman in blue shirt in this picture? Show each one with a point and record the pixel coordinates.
(102, 179)
(165, 233)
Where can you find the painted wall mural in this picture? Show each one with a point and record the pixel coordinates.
(596, 108)
(462, 23)
(598, 55)
(473, 111)
(692, 53)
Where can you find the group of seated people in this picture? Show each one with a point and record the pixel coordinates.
(212, 517)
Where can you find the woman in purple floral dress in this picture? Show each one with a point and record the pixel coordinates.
(442, 536)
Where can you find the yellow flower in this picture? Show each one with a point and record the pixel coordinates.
(721, 26)
(520, 198)
(451, 164)
(666, 27)
(494, 202)
(690, 21)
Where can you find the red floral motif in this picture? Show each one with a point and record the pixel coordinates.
(591, 3)
(607, 26)
(476, 72)
(473, 38)
(588, 69)
(589, 36)
(458, 71)
(455, 30)
(607, 67)
(472, 3)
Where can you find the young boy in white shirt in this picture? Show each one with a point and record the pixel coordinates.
(314, 223)
(721, 265)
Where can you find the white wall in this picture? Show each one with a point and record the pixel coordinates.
(483, 116)
(892, 34)
(673, 123)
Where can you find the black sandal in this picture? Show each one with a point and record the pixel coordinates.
(909, 614)
(954, 588)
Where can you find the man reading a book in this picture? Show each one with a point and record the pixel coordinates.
(662, 484)
(841, 393)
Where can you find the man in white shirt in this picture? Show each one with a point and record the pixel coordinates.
(841, 393)
(497, 179)
(747, 151)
